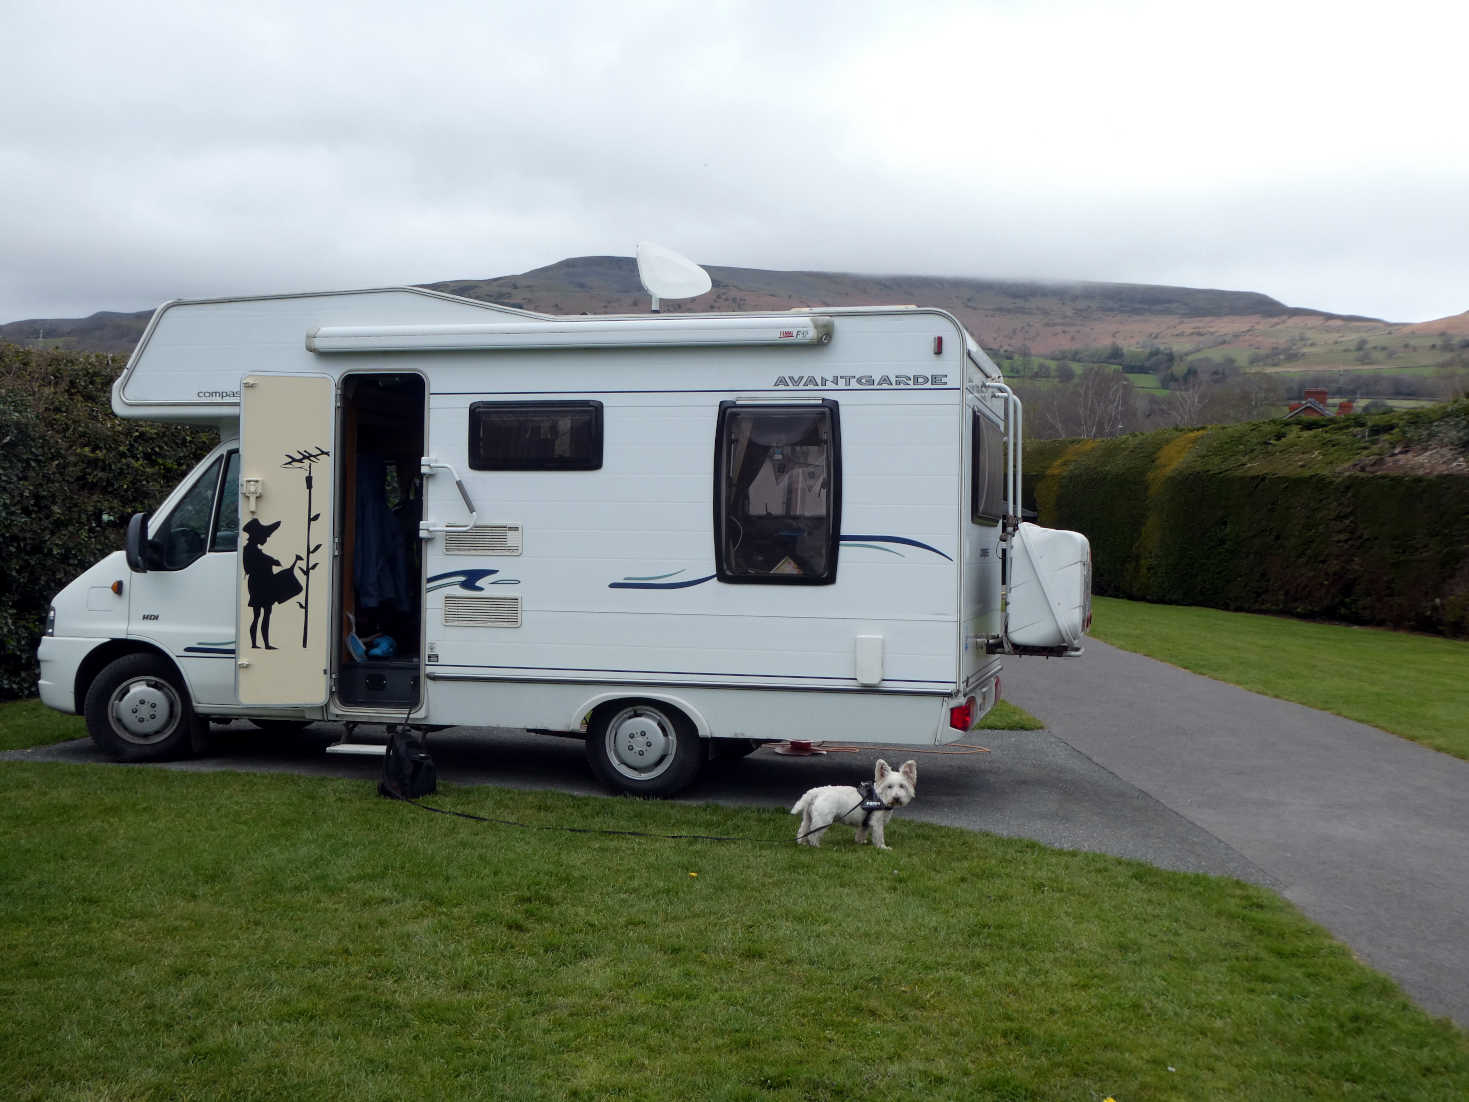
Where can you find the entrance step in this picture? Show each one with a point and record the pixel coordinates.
(366, 749)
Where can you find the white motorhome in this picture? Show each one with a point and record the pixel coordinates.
(657, 532)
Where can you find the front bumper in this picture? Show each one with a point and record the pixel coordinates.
(60, 658)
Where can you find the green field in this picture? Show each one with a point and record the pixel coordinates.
(1416, 686)
(172, 934)
(1005, 716)
(30, 723)
(179, 935)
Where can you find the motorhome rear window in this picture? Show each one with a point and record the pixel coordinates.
(777, 493)
(987, 476)
(535, 436)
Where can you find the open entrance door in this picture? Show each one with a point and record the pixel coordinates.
(380, 661)
(287, 481)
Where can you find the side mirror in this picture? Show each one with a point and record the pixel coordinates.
(136, 547)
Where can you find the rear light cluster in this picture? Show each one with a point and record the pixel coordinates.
(961, 716)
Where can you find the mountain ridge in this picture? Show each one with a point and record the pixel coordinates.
(1013, 316)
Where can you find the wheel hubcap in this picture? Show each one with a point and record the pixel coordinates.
(145, 710)
(641, 745)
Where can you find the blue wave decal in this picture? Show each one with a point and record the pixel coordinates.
(631, 583)
(472, 580)
(903, 540)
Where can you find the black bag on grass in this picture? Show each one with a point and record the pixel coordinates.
(408, 771)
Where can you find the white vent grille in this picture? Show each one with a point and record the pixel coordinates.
(482, 612)
(485, 539)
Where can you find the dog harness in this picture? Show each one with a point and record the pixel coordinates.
(870, 804)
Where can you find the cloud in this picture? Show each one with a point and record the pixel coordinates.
(1301, 150)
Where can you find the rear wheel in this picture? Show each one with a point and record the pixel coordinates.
(137, 709)
(644, 748)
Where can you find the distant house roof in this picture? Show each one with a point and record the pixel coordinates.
(1308, 408)
(1314, 404)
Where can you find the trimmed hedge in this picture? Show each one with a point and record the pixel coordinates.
(1358, 519)
(71, 474)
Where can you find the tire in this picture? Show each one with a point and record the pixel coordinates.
(644, 748)
(137, 709)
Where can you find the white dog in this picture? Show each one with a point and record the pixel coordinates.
(820, 807)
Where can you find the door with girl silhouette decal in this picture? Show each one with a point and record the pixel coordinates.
(287, 486)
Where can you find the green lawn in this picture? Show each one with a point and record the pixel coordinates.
(30, 723)
(1416, 686)
(177, 935)
(1005, 716)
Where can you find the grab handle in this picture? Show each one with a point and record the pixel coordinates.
(426, 466)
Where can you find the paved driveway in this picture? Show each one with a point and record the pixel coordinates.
(1367, 833)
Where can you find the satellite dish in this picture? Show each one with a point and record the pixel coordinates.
(666, 274)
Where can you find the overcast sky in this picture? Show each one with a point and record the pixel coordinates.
(1312, 151)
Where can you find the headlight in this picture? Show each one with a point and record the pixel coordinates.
(51, 620)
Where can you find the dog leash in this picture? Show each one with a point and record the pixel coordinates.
(626, 833)
(952, 749)
(580, 830)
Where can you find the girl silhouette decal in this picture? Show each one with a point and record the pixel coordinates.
(266, 586)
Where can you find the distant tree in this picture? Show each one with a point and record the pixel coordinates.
(1186, 401)
(1159, 361)
(1104, 401)
(1100, 402)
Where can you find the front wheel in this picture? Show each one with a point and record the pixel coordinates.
(137, 709)
(644, 748)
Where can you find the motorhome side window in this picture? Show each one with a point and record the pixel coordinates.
(777, 493)
(987, 476)
(535, 436)
(183, 535)
(227, 521)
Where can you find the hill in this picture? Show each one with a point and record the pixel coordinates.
(1042, 318)
(105, 331)
(1011, 318)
